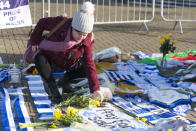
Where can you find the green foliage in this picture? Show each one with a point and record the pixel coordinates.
(167, 44)
(75, 100)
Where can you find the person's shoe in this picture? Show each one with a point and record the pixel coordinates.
(63, 80)
(67, 88)
(55, 95)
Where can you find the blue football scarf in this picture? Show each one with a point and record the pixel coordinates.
(12, 110)
(18, 108)
(3, 74)
(6, 119)
(144, 109)
(140, 74)
(40, 97)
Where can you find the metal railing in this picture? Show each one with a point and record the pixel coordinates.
(107, 11)
(174, 10)
(120, 11)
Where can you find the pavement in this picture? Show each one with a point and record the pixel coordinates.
(125, 36)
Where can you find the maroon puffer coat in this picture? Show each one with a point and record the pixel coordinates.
(81, 53)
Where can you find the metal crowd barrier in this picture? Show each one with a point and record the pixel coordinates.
(119, 11)
(107, 11)
(175, 10)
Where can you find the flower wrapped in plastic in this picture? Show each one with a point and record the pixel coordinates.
(78, 101)
(167, 45)
(59, 118)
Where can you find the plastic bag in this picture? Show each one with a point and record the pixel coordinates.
(113, 53)
(106, 87)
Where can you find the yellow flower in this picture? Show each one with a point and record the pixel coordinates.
(35, 71)
(175, 41)
(71, 112)
(76, 125)
(53, 126)
(57, 114)
(161, 41)
(123, 130)
(169, 130)
(95, 102)
(167, 36)
(144, 119)
(137, 118)
(69, 115)
(170, 35)
(71, 109)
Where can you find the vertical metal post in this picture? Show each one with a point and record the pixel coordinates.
(180, 27)
(43, 10)
(175, 8)
(127, 10)
(63, 6)
(109, 10)
(70, 4)
(57, 7)
(182, 15)
(77, 5)
(34, 13)
(97, 10)
(103, 12)
(140, 6)
(134, 10)
(115, 10)
(121, 11)
(48, 11)
(168, 7)
(146, 6)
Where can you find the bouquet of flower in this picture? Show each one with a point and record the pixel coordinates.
(59, 118)
(77, 100)
(167, 44)
(70, 115)
(66, 119)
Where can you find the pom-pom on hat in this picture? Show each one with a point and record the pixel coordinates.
(83, 20)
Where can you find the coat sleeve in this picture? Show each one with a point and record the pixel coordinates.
(90, 68)
(43, 24)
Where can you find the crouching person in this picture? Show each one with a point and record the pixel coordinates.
(69, 48)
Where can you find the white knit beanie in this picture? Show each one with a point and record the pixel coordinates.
(83, 20)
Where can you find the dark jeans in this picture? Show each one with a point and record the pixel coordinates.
(45, 68)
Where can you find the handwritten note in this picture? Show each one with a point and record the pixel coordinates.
(111, 118)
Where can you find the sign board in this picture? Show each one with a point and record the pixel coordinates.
(14, 13)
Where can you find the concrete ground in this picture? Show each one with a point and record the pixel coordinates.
(125, 36)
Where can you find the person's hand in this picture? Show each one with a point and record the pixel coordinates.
(107, 93)
(96, 60)
(98, 94)
(35, 48)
